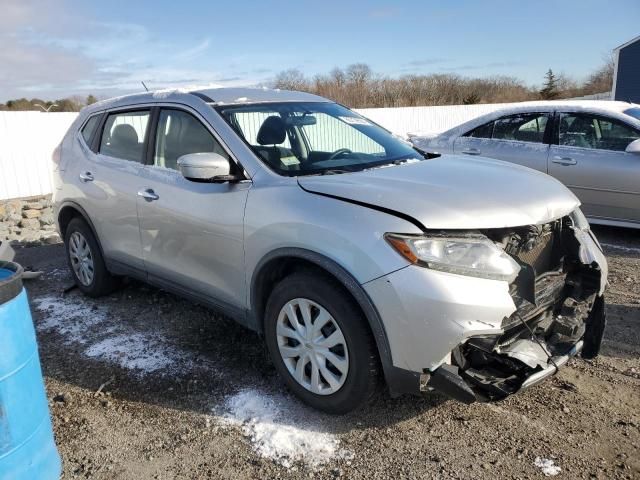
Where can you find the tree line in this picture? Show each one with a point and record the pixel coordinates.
(71, 104)
(357, 86)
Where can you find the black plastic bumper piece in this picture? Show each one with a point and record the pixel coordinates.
(445, 379)
(594, 332)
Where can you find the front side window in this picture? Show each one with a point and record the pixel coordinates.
(593, 131)
(304, 138)
(483, 131)
(124, 135)
(526, 127)
(180, 133)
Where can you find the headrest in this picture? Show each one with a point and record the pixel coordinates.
(124, 134)
(272, 131)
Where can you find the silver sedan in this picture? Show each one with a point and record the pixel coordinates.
(593, 147)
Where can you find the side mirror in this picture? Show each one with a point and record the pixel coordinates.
(206, 167)
(633, 147)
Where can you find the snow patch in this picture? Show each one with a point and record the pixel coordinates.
(81, 323)
(135, 351)
(72, 319)
(280, 429)
(548, 467)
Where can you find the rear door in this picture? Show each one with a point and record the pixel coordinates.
(109, 182)
(589, 157)
(191, 233)
(519, 138)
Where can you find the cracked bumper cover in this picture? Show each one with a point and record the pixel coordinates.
(430, 315)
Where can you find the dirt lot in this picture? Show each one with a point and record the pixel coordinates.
(145, 385)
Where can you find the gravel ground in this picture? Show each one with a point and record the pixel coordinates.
(143, 384)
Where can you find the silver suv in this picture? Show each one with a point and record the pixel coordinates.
(354, 254)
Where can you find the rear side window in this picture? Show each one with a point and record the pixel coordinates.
(124, 135)
(89, 128)
(528, 127)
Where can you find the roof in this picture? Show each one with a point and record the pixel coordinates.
(253, 95)
(215, 95)
(626, 44)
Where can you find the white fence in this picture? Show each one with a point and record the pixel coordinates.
(27, 139)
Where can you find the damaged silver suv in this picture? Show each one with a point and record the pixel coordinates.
(352, 253)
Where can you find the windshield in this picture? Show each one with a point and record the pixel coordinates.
(306, 138)
(633, 112)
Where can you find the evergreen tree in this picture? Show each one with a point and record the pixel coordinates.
(550, 89)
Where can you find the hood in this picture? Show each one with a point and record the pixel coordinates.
(454, 192)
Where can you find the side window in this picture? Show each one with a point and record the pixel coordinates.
(124, 135)
(180, 133)
(592, 131)
(89, 128)
(483, 131)
(526, 127)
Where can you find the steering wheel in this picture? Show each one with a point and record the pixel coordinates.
(337, 153)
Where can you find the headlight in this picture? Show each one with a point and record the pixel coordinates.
(473, 256)
(579, 220)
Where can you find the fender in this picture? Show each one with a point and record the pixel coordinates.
(398, 380)
(85, 216)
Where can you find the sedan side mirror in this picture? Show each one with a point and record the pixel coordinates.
(633, 147)
(206, 167)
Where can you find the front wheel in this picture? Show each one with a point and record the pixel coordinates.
(319, 342)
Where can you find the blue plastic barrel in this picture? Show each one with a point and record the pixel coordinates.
(27, 448)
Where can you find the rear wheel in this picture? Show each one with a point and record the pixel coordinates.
(320, 344)
(85, 260)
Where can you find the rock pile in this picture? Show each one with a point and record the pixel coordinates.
(28, 220)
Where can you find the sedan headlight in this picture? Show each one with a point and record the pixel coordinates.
(475, 256)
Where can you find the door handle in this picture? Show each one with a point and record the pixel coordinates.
(564, 160)
(148, 194)
(86, 177)
(471, 151)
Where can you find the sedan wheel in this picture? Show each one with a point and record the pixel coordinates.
(81, 258)
(312, 346)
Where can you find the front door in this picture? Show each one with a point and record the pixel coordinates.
(590, 159)
(191, 233)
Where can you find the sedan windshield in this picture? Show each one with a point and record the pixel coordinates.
(306, 138)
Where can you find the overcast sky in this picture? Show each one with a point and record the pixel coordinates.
(54, 48)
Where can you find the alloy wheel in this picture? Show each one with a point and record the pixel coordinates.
(81, 258)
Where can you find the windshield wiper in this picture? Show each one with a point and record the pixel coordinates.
(336, 171)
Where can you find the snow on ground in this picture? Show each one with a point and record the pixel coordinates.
(548, 467)
(83, 323)
(280, 429)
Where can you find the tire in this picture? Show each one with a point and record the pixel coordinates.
(79, 238)
(322, 295)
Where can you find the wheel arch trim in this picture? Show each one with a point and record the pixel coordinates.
(344, 278)
(83, 214)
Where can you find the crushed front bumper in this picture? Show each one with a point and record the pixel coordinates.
(475, 339)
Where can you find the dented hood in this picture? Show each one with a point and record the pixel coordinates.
(454, 192)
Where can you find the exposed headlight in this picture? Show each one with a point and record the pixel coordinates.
(579, 220)
(473, 256)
